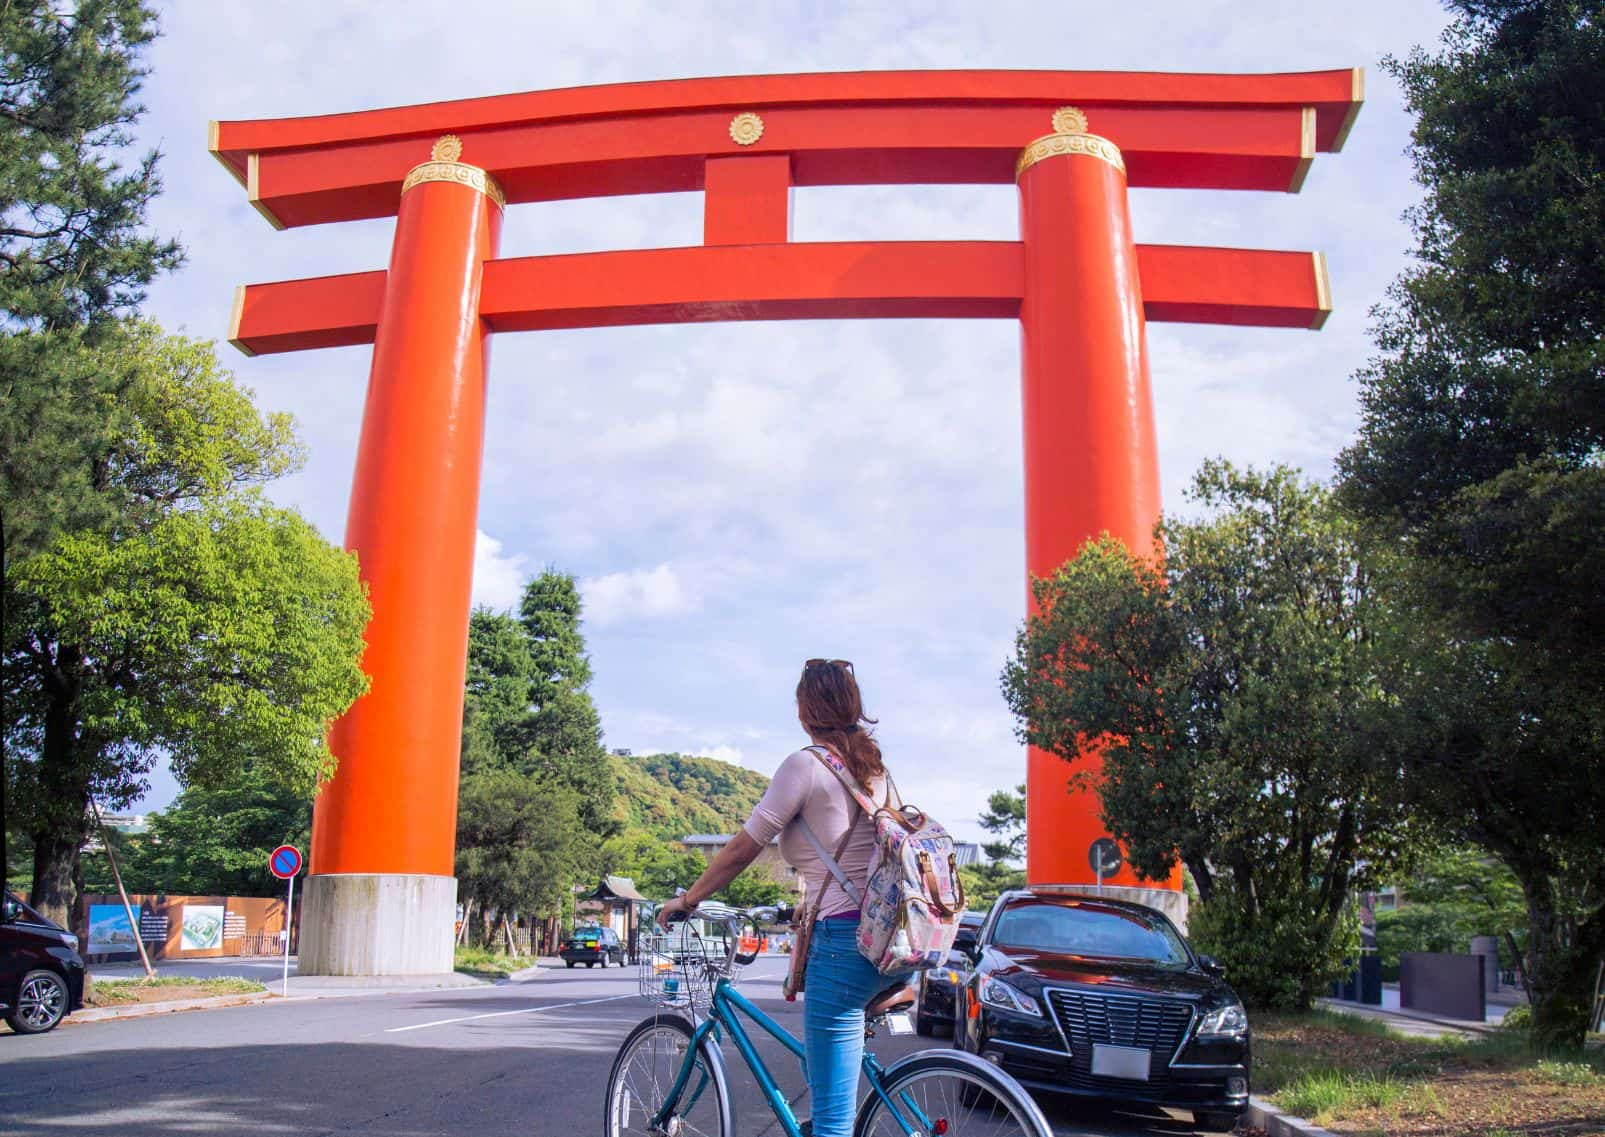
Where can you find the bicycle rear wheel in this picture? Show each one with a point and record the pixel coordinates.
(946, 1093)
(643, 1076)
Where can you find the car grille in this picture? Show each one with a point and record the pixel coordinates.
(1157, 1025)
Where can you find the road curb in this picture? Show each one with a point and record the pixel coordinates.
(1263, 1115)
(139, 1010)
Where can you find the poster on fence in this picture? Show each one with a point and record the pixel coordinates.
(109, 930)
(201, 928)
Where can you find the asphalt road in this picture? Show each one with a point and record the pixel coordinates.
(527, 1059)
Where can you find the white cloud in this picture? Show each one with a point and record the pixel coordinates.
(635, 594)
(498, 577)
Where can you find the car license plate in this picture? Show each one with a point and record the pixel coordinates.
(899, 1024)
(1120, 1062)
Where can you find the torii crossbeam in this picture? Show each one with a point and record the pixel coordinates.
(381, 896)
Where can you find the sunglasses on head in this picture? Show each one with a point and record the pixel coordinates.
(847, 663)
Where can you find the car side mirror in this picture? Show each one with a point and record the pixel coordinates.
(1212, 966)
(9, 911)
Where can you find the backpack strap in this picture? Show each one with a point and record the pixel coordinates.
(900, 813)
(843, 775)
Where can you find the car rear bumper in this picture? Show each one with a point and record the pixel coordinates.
(584, 955)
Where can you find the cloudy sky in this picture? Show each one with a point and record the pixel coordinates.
(736, 498)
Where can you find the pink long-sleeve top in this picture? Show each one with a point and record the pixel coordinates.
(805, 788)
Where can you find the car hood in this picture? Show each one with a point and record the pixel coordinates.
(1030, 970)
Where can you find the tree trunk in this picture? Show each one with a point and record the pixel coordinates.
(55, 868)
(62, 796)
(1562, 960)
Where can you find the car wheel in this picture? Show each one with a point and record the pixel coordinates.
(1216, 1122)
(590, 964)
(41, 1003)
(569, 963)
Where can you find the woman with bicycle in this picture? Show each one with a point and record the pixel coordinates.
(811, 811)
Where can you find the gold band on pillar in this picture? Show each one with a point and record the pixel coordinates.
(1069, 137)
(1051, 145)
(444, 167)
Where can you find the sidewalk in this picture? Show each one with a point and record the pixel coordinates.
(1426, 1024)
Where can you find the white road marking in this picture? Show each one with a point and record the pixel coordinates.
(520, 1011)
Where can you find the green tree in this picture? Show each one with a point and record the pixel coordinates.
(657, 866)
(526, 706)
(1232, 695)
(1479, 459)
(1005, 816)
(984, 883)
(520, 843)
(754, 888)
(201, 624)
(216, 841)
(73, 258)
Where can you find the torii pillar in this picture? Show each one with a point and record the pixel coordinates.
(1091, 458)
(382, 896)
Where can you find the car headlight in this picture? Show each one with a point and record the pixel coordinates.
(1226, 1021)
(70, 940)
(996, 993)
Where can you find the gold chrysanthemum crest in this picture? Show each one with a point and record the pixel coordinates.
(1069, 120)
(447, 148)
(746, 128)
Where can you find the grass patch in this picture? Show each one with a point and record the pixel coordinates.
(164, 989)
(484, 964)
(1322, 1095)
(1356, 1075)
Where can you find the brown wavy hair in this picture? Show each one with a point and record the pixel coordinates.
(831, 710)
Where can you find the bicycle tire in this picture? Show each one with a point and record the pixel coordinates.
(1012, 1112)
(626, 1116)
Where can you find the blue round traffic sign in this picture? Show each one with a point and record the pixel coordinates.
(285, 861)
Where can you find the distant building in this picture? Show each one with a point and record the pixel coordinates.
(709, 844)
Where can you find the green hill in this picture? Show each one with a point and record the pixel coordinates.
(671, 795)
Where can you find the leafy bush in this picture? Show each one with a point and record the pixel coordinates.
(1276, 956)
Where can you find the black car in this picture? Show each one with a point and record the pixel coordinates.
(592, 946)
(933, 1006)
(41, 972)
(1073, 993)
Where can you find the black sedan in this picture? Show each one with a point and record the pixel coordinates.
(1077, 994)
(933, 1007)
(592, 946)
(41, 972)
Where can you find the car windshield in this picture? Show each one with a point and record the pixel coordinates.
(1076, 927)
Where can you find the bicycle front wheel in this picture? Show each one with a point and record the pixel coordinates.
(644, 1075)
(947, 1093)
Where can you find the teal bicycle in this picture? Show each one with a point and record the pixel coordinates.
(670, 1079)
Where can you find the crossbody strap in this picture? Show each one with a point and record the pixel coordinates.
(834, 863)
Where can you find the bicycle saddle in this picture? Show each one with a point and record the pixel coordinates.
(896, 998)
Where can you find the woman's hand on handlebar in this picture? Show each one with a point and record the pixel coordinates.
(672, 910)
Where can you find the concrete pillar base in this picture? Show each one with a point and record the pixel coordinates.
(377, 924)
(1169, 901)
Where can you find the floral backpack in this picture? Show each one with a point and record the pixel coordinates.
(913, 899)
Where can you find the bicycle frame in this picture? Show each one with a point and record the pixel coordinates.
(722, 1017)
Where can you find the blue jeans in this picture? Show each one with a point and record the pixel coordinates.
(839, 983)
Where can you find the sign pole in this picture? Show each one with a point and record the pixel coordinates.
(289, 919)
(284, 862)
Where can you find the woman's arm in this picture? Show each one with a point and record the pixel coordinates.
(724, 868)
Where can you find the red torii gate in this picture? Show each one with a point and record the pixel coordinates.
(381, 895)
